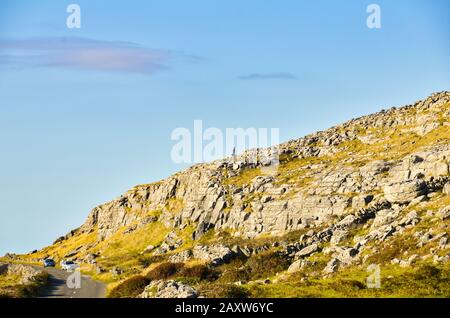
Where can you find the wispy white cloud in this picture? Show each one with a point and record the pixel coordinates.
(268, 76)
(85, 54)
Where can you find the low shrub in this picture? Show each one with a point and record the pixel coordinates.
(427, 272)
(131, 287)
(200, 272)
(267, 264)
(233, 291)
(165, 271)
(235, 271)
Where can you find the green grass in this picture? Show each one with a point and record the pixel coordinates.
(57, 251)
(124, 251)
(422, 281)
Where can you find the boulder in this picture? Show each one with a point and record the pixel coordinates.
(446, 189)
(181, 257)
(405, 192)
(90, 258)
(168, 289)
(440, 169)
(411, 218)
(347, 222)
(443, 241)
(307, 251)
(213, 254)
(171, 242)
(384, 217)
(116, 271)
(295, 267)
(332, 266)
(339, 236)
(345, 255)
(148, 249)
(99, 270)
(361, 201)
(445, 213)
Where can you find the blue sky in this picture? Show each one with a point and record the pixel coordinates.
(85, 114)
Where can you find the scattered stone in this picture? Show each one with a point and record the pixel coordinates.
(411, 218)
(446, 189)
(99, 270)
(384, 217)
(296, 266)
(339, 236)
(346, 255)
(361, 201)
(413, 258)
(347, 222)
(441, 259)
(10, 256)
(116, 271)
(181, 257)
(424, 239)
(307, 251)
(405, 192)
(445, 213)
(443, 241)
(332, 266)
(420, 199)
(214, 254)
(148, 249)
(90, 258)
(168, 289)
(171, 242)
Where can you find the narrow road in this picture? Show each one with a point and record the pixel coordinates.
(58, 287)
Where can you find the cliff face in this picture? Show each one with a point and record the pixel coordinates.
(395, 156)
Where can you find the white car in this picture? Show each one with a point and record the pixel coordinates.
(68, 265)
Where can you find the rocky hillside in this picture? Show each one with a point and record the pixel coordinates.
(374, 190)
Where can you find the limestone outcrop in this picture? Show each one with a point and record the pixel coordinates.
(204, 195)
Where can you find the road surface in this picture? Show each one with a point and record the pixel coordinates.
(58, 287)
